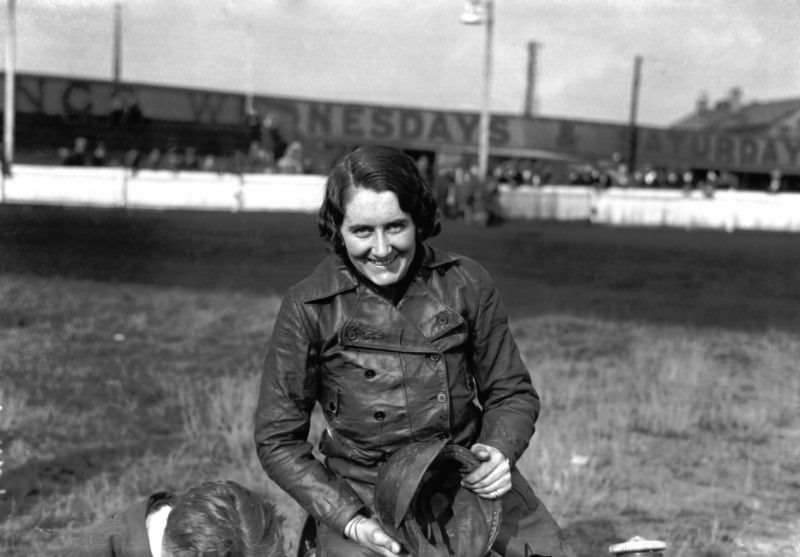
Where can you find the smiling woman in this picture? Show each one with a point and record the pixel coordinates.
(398, 343)
(377, 209)
(379, 236)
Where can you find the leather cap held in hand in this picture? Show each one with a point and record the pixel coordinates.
(420, 501)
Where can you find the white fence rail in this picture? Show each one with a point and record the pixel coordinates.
(116, 187)
(161, 189)
(726, 210)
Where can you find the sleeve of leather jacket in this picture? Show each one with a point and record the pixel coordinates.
(510, 402)
(282, 420)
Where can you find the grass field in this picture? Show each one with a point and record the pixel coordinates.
(666, 359)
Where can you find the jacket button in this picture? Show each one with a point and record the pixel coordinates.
(351, 334)
(435, 357)
(441, 397)
(369, 374)
(379, 415)
(332, 406)
(442, 319)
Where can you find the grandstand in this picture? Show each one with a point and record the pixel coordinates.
(51, 111)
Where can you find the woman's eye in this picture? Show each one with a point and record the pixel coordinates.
(361, 232)
(397, 226)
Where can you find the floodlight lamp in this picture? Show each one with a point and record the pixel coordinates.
(474, 12)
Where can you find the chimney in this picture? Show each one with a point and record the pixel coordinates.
(702, 103)
(735, 99)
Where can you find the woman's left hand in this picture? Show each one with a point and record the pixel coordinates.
(492, 479)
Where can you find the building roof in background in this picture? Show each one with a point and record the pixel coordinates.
(752, 117)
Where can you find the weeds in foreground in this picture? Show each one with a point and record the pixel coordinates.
(676, 433)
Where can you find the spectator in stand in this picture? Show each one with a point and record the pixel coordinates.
(63, 154)
(236, 163)
(687, 181)
(134, 115)
(528, 177)
(775, 178)
(468, 193)
(638, 178)
(117, 112)
(253, 122)
(153, 160)
(606, 179)
(99, 154)
(79, 155)
(132, 160)
(673, 180)
(651, 179)
(728, 180)
(292, 161)
(442, 186)
(189, 161)
(259, 160)
(172, 159)
(209, 163)
(710, 184)
(488, 210)
(273, 138)
(424, 166)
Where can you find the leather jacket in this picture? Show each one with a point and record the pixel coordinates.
(441, 362)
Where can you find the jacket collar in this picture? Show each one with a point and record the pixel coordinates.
(332, 276)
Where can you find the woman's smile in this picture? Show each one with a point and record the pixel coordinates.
(385, 261)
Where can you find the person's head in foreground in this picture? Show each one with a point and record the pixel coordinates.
(220, 519)
(377, 210)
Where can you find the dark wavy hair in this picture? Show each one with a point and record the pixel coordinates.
(379, 169)
(224, 519)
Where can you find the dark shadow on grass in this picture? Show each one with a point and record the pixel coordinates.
(737, 281)
(25, 486)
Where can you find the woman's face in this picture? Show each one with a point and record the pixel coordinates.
(380, 238)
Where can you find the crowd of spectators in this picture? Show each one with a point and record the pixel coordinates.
(256, 160)
(267, 150)
(688, 180)
(461, 194)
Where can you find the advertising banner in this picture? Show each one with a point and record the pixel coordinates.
(413, 128)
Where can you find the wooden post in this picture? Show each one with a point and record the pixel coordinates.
(633, 131)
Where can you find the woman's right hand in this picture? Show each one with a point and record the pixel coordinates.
(369, 533)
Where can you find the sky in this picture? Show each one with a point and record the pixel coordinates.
(418, 53)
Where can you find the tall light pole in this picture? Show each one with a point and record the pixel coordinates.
(9, 106)
(478, 12)
(116, 62)
(633, 130)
